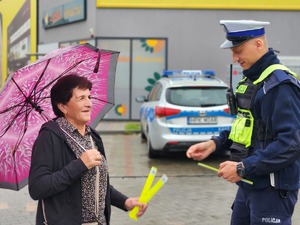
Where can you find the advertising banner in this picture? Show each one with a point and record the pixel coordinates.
(67, 13)
(18, 35)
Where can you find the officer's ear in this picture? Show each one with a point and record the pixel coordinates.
(260, 44)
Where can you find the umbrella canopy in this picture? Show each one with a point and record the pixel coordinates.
(25, 102)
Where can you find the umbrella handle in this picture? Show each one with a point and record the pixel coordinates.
(73, 139)
(92, 142)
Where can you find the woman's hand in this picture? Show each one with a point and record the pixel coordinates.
(130, 203)
(91, 158)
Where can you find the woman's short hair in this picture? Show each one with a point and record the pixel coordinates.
(62, 90)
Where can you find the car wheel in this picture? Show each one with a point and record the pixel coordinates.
(143, 136)
(151, 152)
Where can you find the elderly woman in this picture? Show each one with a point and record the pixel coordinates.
(68, 173)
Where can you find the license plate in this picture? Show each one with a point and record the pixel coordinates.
(202, 120)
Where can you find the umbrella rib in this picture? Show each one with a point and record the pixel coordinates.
(62, 74)
(101, 100)
(10, 108)
(33, 92)
(15, 117)
(27, 112)
(18, 87)
(41, 76)
(22, 134)
(35, 95)
(52, 81)
(96, 69)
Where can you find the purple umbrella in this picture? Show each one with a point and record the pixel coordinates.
(25, 102)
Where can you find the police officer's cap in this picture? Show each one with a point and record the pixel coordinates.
(240, 31)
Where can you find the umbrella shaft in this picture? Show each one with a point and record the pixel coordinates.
(34, 105)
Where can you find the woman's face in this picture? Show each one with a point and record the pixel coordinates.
(78, 110)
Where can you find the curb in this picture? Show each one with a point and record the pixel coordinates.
(118, 132)
(118, 127)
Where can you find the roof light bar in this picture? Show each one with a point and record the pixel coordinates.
(186, 73)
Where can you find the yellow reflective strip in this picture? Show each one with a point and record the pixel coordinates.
(149, 180)
(147, 192)
(270, 69)
(216, 170)
(157, 186)
(241, 88)
(133, 213)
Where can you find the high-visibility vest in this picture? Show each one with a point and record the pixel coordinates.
(242, 127)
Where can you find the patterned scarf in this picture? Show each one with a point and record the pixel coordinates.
(88, 179)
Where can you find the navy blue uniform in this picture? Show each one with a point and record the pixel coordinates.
(274, 163)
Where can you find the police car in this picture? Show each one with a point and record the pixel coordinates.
(184, 107)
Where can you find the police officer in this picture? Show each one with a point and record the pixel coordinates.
(265, 137)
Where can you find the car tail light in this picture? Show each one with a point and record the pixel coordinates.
(164, 111)
(173, 143)
(227, 110)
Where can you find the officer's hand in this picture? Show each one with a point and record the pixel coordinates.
(227, 170)
(201, 150)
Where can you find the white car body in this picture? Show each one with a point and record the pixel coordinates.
(196, 119)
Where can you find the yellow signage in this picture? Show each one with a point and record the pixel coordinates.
(18, 35)
(202, 4)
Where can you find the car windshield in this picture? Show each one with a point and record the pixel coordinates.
(197, 96)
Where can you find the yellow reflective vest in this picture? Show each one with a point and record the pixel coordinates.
(242, 127)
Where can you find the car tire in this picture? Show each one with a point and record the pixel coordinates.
(143, 136)
(151, 152)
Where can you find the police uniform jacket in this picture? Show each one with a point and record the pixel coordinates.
(277, 104)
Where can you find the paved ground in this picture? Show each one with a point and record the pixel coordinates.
(184, 200)
(202, 200)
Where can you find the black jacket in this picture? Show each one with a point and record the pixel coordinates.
(55, 176)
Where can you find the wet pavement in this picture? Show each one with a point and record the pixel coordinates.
(192, 195)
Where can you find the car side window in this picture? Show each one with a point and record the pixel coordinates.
(155, 92)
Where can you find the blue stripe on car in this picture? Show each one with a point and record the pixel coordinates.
(148, 112)
(197, 113)
(203, 130)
